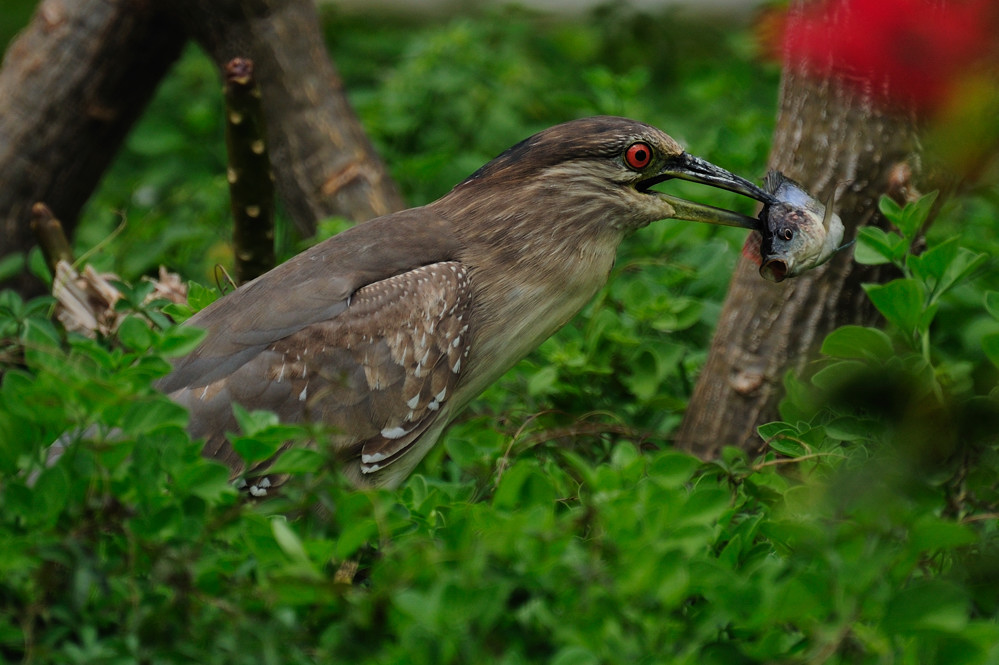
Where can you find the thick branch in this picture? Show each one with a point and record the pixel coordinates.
(251, 181)
(830, 139)
(324, 163)
(71, 86)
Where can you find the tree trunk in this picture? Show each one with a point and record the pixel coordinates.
(325, 164)
(71, 86)
(831, 139)
(74, 82)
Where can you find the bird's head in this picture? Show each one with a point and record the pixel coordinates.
(601, 172)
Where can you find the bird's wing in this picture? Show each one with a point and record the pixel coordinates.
(313, 286)
(366, 339)
(378, 374)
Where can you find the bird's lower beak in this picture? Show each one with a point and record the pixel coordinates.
(695, 169)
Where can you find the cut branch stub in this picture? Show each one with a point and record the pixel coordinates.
(251, 182)
(51, 237)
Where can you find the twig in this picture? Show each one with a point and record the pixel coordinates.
(51, 237)
(251, 182)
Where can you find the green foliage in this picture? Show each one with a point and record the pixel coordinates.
(131, 547)
(906, 445)
(550, 525)
(867, 532)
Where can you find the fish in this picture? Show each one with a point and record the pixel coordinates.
(797, 232)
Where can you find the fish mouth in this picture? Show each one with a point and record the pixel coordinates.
(774, 270)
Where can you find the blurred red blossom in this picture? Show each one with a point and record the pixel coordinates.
(908, 53)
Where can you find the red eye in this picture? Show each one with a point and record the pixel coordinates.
(638, 155)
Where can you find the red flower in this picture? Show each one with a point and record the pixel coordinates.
(903, 51)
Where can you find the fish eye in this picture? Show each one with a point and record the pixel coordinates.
(786, 233)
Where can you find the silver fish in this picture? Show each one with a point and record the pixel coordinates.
(798, 233)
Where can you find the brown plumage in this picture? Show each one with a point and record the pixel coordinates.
(385, 331)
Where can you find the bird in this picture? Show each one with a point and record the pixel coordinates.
(384, 332)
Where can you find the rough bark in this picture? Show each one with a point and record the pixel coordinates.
(71, 86)
(77, 78)
(830, 139)
(325, 164)
(251, 179)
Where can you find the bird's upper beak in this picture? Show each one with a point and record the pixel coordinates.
(688, 167)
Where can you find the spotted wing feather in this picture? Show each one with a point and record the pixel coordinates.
(378, 374)
(311, 287)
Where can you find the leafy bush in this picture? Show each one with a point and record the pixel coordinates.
(550, 525)
(866, 534)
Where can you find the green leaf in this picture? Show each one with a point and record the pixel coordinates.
(574, 655)
(835, 375)
(959, 269)
(891, 210)
(849, 428)
(38, 267)
(148, 414)
(914, 215)
(207, 480)
(298, 460)
(990, 345)
(909, 219)
(543, 382)
(523, 484)
(50, 493)
(705, 506)
(134, 333)
(673, 469)
(291, 545)
(876, 246)
(768, 431)
(857, 342)
(992, 304)
(354, 536)
(179, 340)
(11, 265)
(623, 455)
(788, 447)
(42, 346)
(649, 369)
(253, 449)
(199, 296)
(932, 605)
(930, 533)
(262, 435)
(900, 301)
(253, 422)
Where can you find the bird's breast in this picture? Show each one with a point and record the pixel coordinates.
(516, 310)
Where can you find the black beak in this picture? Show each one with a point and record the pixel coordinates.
(687, 167)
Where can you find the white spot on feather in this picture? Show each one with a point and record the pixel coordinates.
(392, 433)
